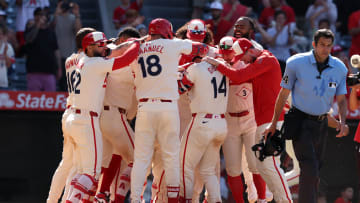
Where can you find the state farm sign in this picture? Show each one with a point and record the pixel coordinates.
(32, 101)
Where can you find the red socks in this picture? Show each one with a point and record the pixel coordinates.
(237, 188)
(110, 172)
(260, 186)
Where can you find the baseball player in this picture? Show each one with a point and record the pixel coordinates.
(63, 170)
(118, 135)
(194, 30)
(158, 116)
(241, 122)
(88, 86)
(263, 70)
(207, 130)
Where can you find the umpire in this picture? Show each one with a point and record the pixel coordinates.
(313, 78)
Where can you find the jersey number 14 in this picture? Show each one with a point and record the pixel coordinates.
(222, 87)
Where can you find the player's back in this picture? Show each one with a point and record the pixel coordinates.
(71, 64)
(90, 86)
(156, 73)
(210, 91)
(120, 87)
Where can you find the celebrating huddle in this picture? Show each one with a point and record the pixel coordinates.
(190, 99)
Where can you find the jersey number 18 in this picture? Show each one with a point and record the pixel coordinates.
(152, 66)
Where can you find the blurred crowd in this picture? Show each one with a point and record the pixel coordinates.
(45, 36)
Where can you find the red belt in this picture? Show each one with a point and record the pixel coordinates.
(147, 99)
(92, 113)
(239, 114)
(121, 110)
(209, 115)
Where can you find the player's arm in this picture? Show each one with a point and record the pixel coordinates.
(250, 71)
(342, 103)
(199, 49)
(115, 51)
(126, 58)
(184, 81)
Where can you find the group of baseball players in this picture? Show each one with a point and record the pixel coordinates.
(190, 99)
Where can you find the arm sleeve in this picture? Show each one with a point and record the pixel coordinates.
(10, 53)
(185, 46)
(129, 56)
(341, 89)
(250, 71)
(289, 77)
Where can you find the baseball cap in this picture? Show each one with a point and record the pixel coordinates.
(196, 30)
(94, 38)
(226, 45)
(241, 46)
(216, 5)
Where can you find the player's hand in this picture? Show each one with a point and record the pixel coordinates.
(344, 130)
(211, 60)
(269, 130)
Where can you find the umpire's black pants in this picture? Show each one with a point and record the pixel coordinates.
(309, 149)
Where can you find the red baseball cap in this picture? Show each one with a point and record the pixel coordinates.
(226, 45)
(241, 46)
(94, 38)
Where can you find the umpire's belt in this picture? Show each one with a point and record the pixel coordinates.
(308, 116)
(239, 114)
(121, 110)
(154, 100)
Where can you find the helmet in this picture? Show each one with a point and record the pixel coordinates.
(225, 45)
(94, 38)
(273, 146)
(162, 27)
(196, 30)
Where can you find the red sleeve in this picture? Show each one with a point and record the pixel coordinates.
(199, 49)
(126, 58)
(250, 71)
(352, 22)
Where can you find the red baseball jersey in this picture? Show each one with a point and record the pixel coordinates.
(265, 75)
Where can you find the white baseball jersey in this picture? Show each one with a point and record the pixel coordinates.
(89, 83)
(156, 74)
(120, 87)
(207, 78)
(71, 65)
(241, 95)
